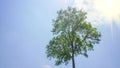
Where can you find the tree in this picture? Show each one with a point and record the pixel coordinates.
(72, 36)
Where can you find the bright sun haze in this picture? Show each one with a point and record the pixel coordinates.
(108, 8)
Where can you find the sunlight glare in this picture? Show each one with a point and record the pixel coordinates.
(110, 9)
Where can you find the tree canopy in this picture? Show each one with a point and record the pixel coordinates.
(73, 36)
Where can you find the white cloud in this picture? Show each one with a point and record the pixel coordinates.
(92, 15)
(87, 5)
(100, 12)
(46, 66)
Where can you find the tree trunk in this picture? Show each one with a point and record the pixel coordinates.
(73, 61)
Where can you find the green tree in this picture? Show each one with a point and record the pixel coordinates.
(72, 36)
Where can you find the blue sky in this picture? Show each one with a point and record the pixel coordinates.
(25, 27)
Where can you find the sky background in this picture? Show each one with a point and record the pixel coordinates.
(25, 27)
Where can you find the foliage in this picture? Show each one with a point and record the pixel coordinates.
(72, 35)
